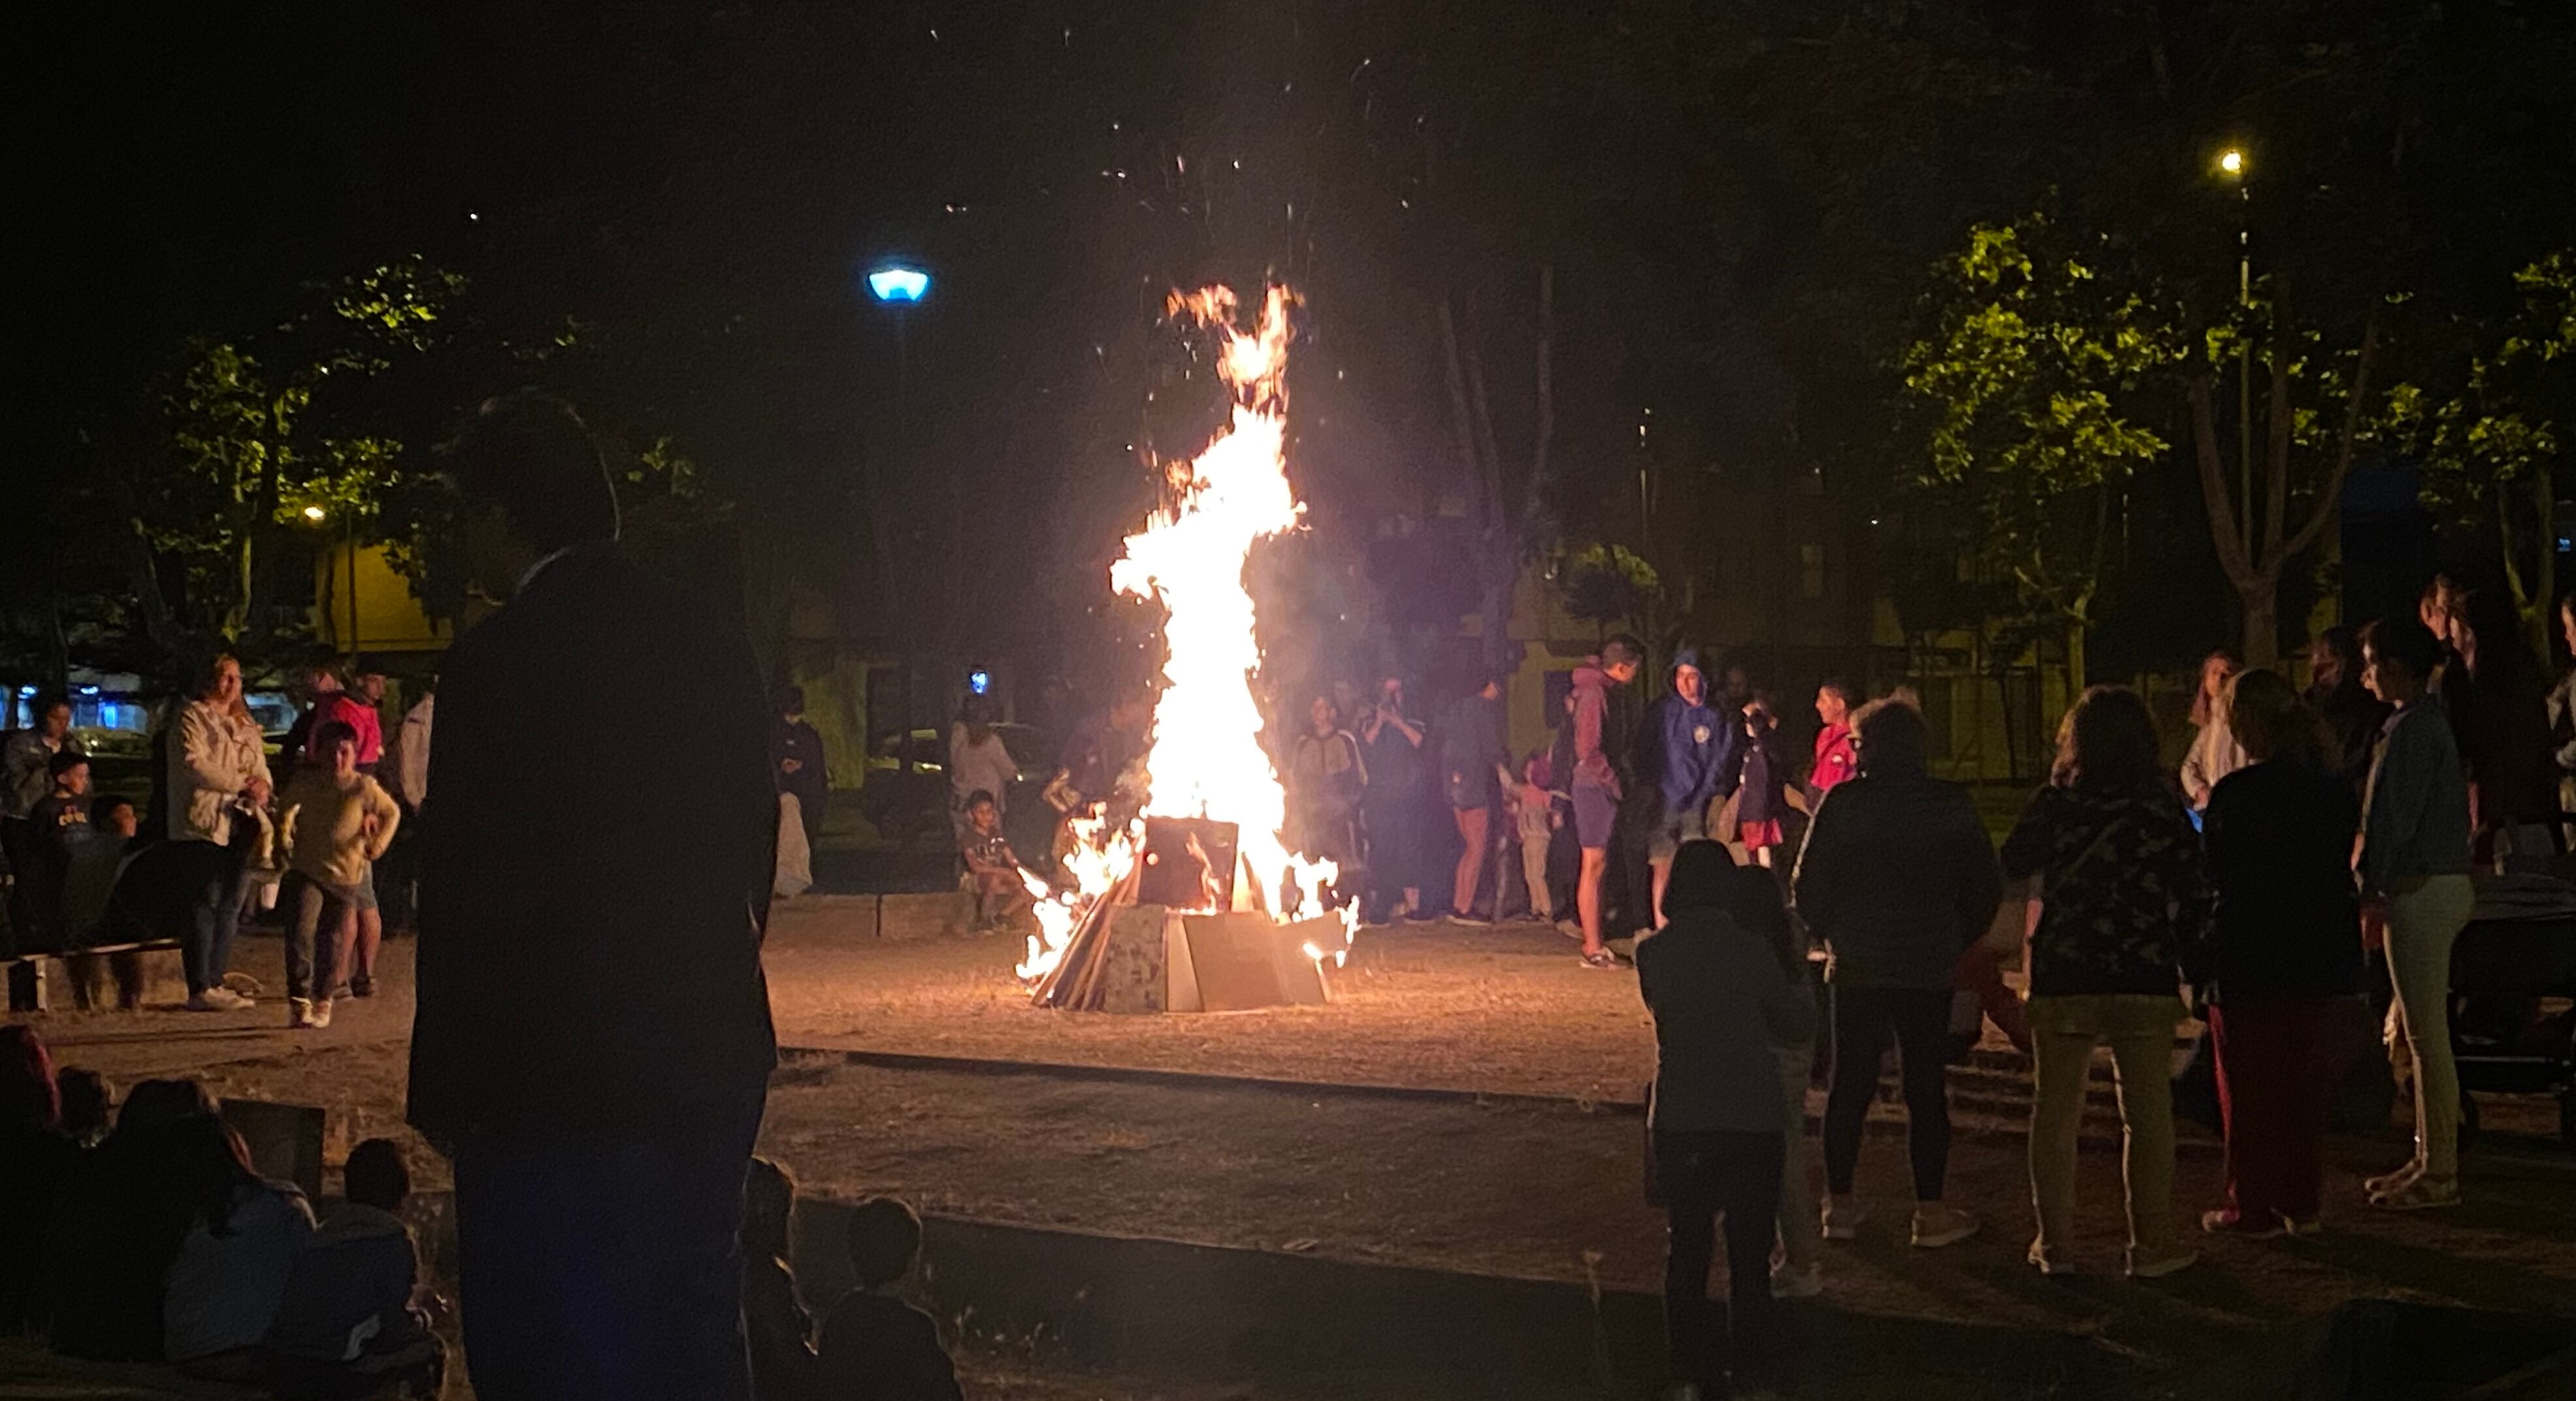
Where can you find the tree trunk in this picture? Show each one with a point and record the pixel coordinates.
(2262, 645)
(2544, 568)
(2075, 671)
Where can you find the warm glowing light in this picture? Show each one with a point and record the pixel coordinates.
(1204, 757)
(2232, 161)
(314, 513)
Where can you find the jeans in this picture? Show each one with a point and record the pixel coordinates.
(1802, 1236)
(1863, 1020)
(214, 873)
(607, 1269)
(2140, 1030)
(318, 940)
(2279, 1062)
(2422, 925)
(1704, 1176)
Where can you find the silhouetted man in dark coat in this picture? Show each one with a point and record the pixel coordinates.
(593, 1043)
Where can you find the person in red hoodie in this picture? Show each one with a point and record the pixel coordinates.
(1836, 758)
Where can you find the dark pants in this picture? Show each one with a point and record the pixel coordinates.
(18, 845)
(324, 922)
(395, 873)
(1863, 1020)
(2278, 1066)
(809, 810)
(214, 876)
(1705, 1176)
(610, 1270)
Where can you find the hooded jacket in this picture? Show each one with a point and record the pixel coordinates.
(1592, 767)
(1696, 751)
(1898, 876)
(352, 1288)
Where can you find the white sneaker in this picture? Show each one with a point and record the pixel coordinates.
(321, 1013)
(218, 999)
(1790, 1282)
(1843, 1223)
(299, 1012)
(1936, 1225)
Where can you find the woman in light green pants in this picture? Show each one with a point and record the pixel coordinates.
(2121, 894)
(2414, 869)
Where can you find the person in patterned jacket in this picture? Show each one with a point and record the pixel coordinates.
(2121, 897)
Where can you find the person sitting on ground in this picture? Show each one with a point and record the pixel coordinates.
(1721, 1003)
(98, 853)
(2284, 954)
(120, 1226)
(57, 825)
(2121, 903)
(87, 1102)
(37, 1161)
(978, 762)
(1897, 877)
(781, 1332)
(335, 821)
(351, 1323)
(992, 868)
(876, 1347)
(245, 1234)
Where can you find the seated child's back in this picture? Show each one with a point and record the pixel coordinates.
(875, 1346)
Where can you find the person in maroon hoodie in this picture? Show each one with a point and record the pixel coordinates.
(1596, 782)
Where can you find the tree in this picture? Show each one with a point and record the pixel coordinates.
(1507, 534)
(2491, 442)
(2316, 411)
(2031, 376)
(262, 434)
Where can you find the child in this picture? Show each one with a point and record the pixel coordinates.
(351, 1323)
(875, 1345)
(1764, 792)
(60, 819)
(992, 868)
(1534, 808)
(774, 1320)
(336, 822)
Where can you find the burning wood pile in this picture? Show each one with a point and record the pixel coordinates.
(1195, 902)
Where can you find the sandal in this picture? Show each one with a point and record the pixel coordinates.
(2420, 1194)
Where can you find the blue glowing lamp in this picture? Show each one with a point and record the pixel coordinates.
(899, 284)
(980, 682)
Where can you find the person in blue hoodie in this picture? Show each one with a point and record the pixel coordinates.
(1691, 754)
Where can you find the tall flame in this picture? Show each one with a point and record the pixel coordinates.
(1205, 758)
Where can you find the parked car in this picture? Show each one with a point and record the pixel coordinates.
(905, 793)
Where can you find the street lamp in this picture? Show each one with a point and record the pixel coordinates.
(896, 282)
(899, 287)
(2233, 164)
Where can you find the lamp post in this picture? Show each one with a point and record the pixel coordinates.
(899, 287)
(349, 548)
(2232, 164)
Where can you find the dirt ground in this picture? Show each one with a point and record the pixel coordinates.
(1515, 1187)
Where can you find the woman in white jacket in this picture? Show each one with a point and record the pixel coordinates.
(2214, 752)
(218, 772)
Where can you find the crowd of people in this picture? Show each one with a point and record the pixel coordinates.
(222, 837)
(2306, 836)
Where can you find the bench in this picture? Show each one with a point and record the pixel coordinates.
(124, 977)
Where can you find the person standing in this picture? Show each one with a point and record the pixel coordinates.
(2284, 954)
(1763, 783)
(978, 762)
(2121, 900)
(2413, 863)
(1393, 802)
(1326, 776)
(2214, 753)
(1535, 815)
(1721, 1002)
(2351, 714)
(1897, 877)
(334, 822)
(2562, 717)
(1836, 760)
(2499, 714)
(218, 779)
(796, 757)
(1478, 766)
(1595, 786)
(26, 777)
(593, 1044)
(61, 825)
(406, 775)
(1689, 754)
